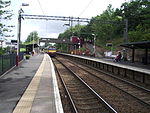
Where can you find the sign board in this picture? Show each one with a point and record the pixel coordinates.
(109, 44)
(13, 41)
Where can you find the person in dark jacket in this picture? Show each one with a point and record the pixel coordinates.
(118, 57)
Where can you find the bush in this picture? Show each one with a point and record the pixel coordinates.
(1, 51)
(27, 56)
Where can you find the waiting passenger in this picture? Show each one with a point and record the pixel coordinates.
(33, 52)
(118, 57)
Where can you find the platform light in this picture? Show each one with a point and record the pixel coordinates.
(94, 43)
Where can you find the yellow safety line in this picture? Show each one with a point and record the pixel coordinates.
(25, 103)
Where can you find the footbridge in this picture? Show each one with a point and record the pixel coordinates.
(54, 40)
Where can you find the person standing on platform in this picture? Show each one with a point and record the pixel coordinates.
(118, 57)
(33, 52)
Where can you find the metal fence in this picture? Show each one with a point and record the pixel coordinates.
(8, 61)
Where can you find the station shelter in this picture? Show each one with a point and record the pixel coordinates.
(30, 47)
(137, 48)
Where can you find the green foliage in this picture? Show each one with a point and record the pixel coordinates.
(22, 49)
(109, 26)
(62, 47)
(33, 36)
(1, 51)
(27, 56)
(75, 30)
(71, 31)
(5, 15)
(137, 12)
(140, 34)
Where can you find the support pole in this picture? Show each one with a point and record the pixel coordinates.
(125, 39)
(133, 55)
(18, 38)
(146, 56)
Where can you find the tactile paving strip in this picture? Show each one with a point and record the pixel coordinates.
(25, 103)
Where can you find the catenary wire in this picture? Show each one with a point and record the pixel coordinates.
(40, 6)
(85, 8)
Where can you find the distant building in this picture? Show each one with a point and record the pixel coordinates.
(2, 42)
(5, 43)
(14, 44)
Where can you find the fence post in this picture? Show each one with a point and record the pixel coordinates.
(9, 60)
(2, 64)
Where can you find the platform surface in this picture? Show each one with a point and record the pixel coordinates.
(139, 67)
(31, 88)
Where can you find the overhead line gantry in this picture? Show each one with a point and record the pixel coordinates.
(61, 18)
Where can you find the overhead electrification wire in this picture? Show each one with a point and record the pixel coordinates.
(66, 18)
(61, 18)
(85, 8)
(40, 6)
(43, 14)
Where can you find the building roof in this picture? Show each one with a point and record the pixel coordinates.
(137, 45)
(31, 45)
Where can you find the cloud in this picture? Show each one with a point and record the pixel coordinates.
(44, 28)
(56, 8)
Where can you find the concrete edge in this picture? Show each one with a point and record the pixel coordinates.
(58, 103)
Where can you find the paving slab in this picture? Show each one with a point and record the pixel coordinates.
(15, 82)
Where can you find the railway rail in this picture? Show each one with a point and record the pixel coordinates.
(134, 90)
(137, 75)
(136, 97)
(82, 97)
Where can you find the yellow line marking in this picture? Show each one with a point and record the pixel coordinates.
(25, 103)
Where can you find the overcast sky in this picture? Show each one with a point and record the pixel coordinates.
(75, 8)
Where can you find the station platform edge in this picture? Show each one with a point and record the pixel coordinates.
(42, 94)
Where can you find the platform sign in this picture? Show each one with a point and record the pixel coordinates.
(109, 44)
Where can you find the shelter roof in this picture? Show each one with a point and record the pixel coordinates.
(31, 45)
(137, 45)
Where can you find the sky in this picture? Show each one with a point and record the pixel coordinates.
(51, 29)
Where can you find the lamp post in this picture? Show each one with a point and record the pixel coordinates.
(94, 43)
(125, 35)
(19, 32)
(33, 45)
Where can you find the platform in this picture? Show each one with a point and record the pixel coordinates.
(134, 72)
(131, 66)
(39, 94)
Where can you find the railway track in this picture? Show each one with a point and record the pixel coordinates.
(140, 93)
(124, 88)
(82, 97)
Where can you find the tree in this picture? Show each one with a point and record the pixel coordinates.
(5, 15)
(71, 31)
(1, 51)
(107, 26)
(33, 36)
(138, 13)
(145, 14)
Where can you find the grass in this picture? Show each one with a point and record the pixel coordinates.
(22, 49)
(115, 42)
